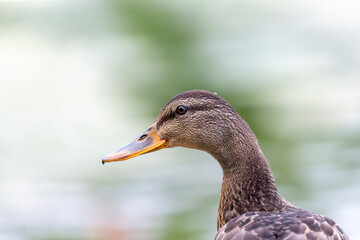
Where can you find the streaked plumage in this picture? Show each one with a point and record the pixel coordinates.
(288, 224)
(250, 206)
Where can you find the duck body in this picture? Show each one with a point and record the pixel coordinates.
(289, 224)
(250, 206)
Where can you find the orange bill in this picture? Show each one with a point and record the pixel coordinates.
(147, 142)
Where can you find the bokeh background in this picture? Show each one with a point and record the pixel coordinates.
(78, 79)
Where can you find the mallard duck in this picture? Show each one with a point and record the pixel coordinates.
(250, 205)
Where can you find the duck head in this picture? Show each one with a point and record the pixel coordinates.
(193, 119)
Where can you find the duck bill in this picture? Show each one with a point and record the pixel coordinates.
(149, 141)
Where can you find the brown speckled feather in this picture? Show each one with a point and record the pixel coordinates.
(290, 224)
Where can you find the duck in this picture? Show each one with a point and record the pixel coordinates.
(250, 206)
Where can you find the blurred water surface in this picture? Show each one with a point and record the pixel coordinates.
(80, 79)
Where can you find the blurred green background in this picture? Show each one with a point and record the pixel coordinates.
(78, 79)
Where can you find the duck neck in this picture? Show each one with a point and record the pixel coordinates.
(248, 184)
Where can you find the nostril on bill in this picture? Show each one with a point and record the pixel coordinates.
(142, 137)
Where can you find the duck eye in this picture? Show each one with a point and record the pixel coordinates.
(181, 109)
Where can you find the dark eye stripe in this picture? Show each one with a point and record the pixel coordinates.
(172, 115)
(164, 119)
(199, 108)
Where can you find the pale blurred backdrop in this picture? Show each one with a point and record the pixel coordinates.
(78, 79)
